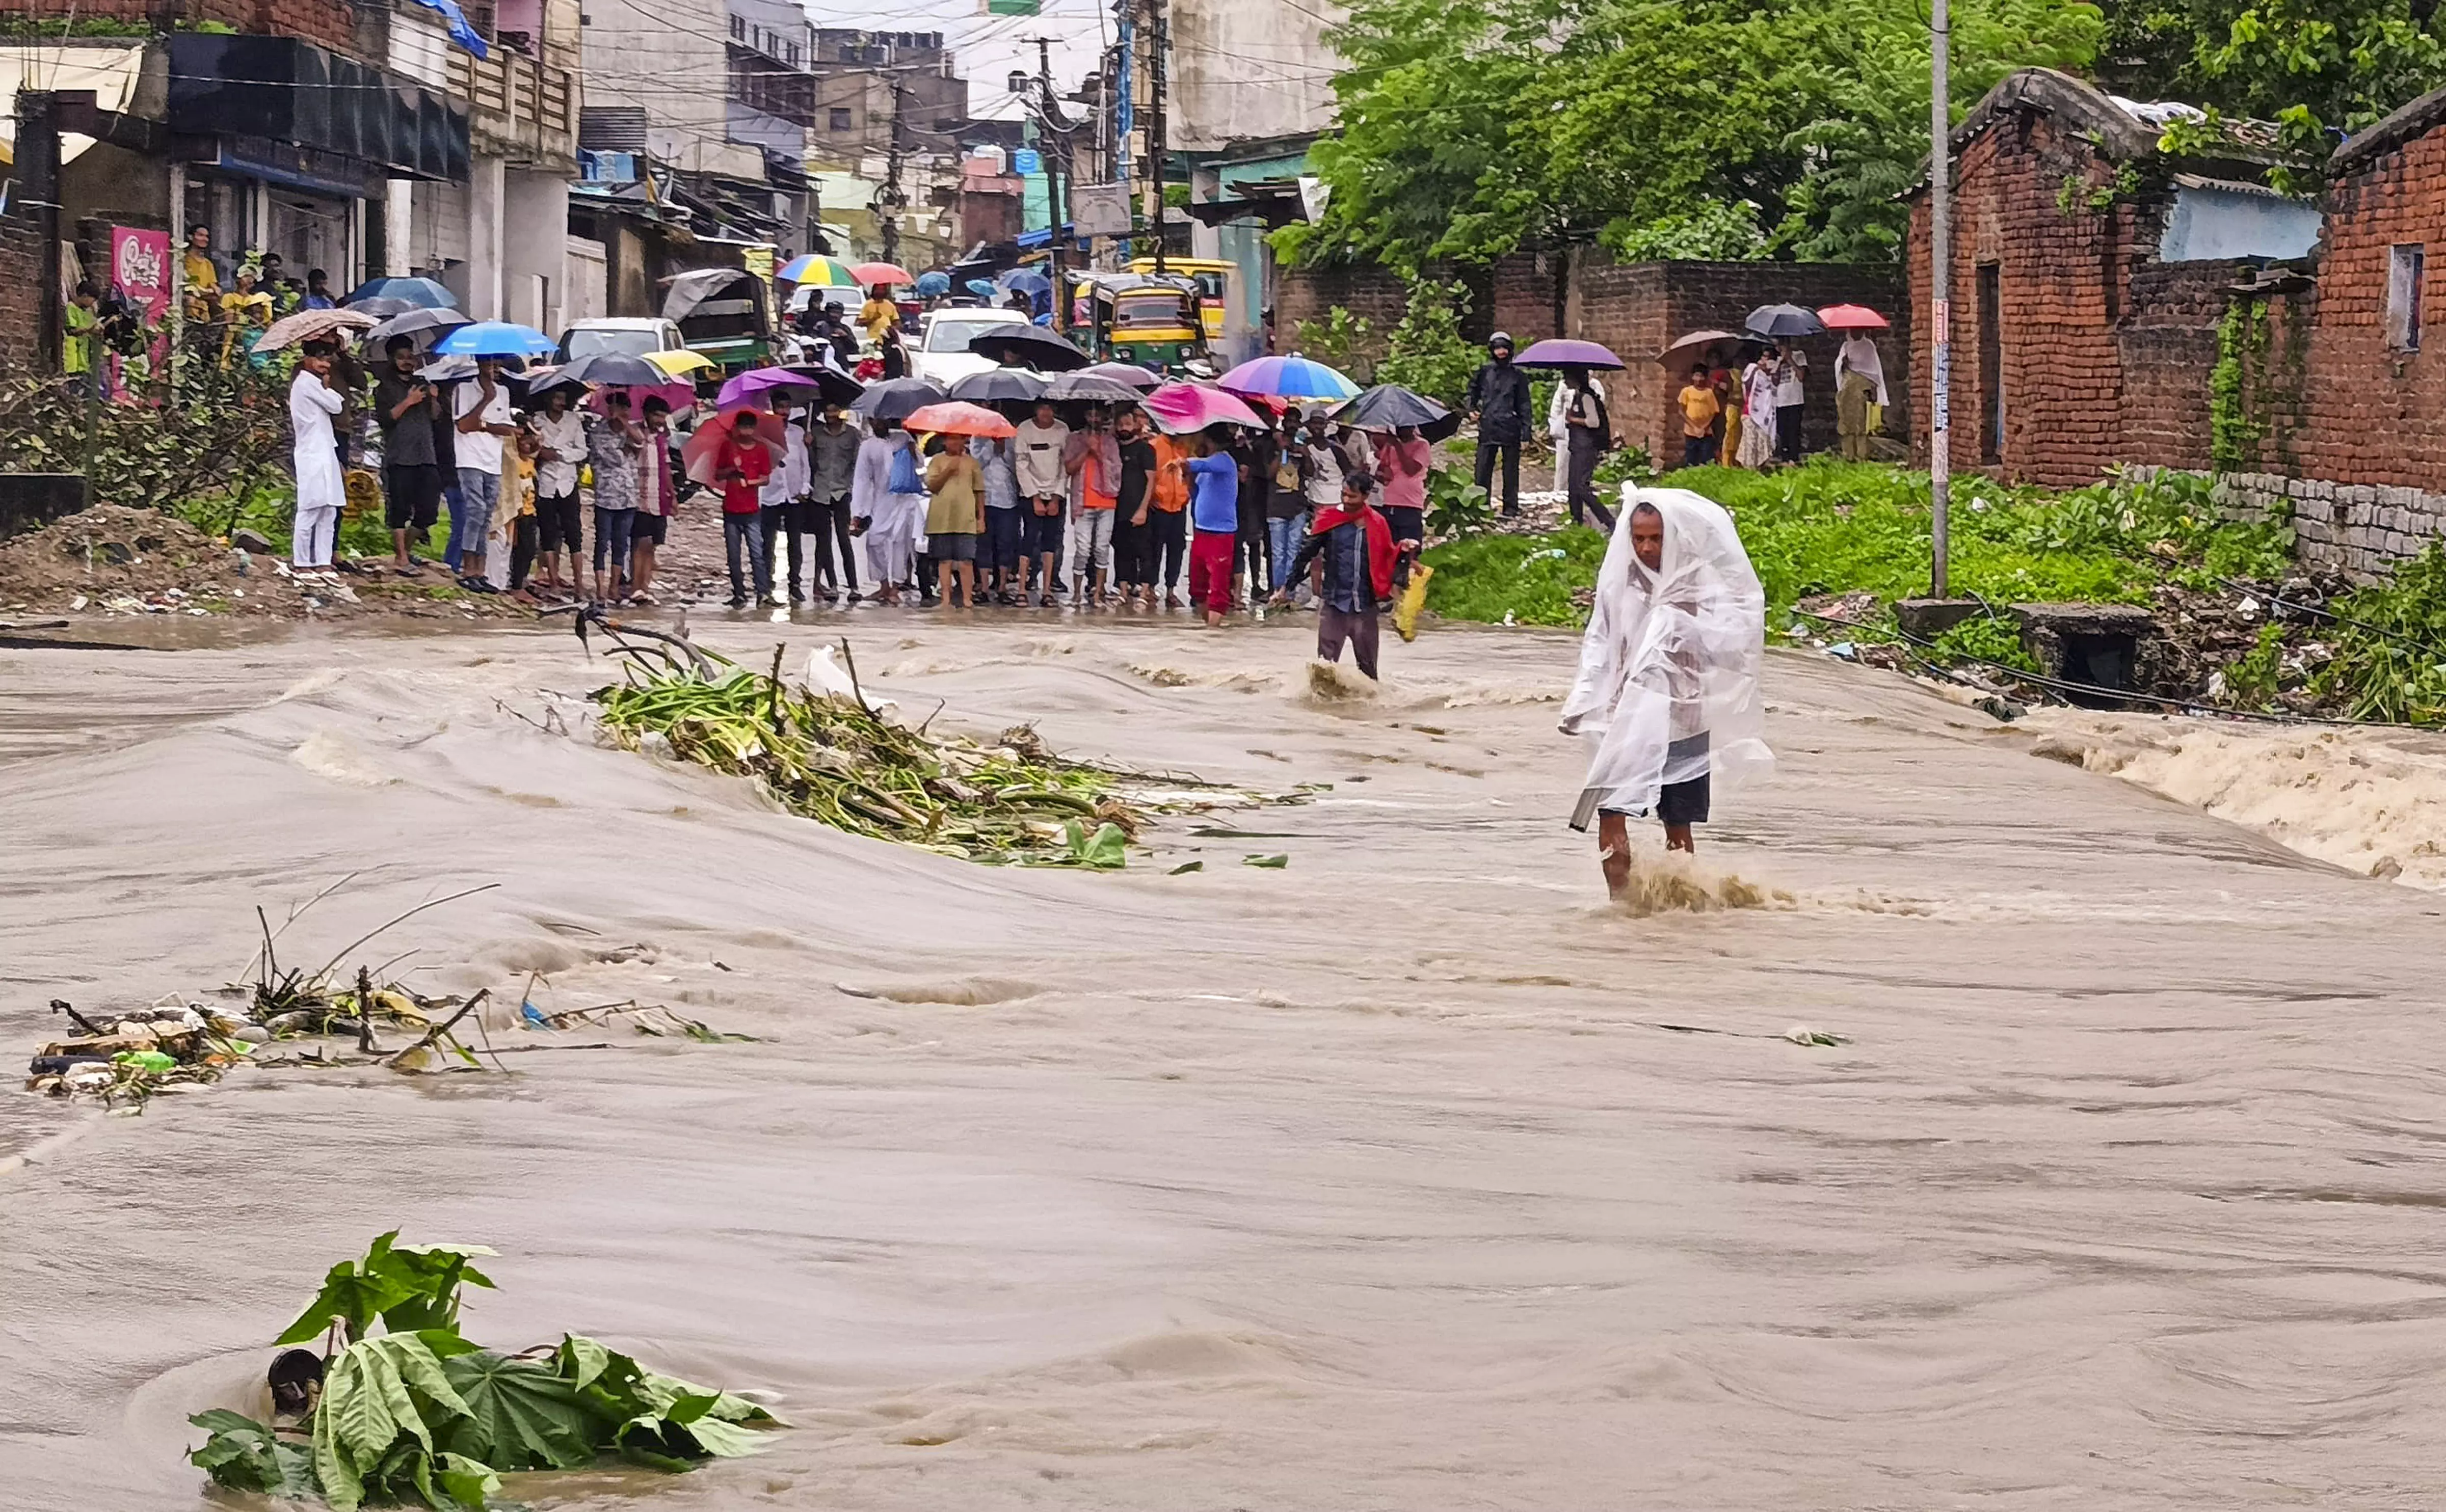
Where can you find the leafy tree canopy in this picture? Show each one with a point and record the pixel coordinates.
(1726, 127)
(2323, 64)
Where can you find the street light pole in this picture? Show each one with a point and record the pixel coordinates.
(1940, 298)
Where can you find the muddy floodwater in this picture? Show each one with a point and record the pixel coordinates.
(1406, 1177)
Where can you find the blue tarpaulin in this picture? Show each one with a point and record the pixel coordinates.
(462, 32)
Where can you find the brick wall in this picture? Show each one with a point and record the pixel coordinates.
(2062, 285)
(21, 309)
(327, 23)
(1524, 295)
(1638, 309)
(2166, 350)
(1371, 292)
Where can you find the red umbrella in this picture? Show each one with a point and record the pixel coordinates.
(697, 455)
(1851, 317)
(870, 274)
(957, 419)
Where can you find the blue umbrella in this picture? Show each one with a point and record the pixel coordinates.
(929, 285)
(982, 287)
(422, 292)
(494, 338)
(1027, 281)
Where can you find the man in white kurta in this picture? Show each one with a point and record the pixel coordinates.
(321, 490)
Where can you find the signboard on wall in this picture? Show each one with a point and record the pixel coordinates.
(1100, 210)
(139, 272)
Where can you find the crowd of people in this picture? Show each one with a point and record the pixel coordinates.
(1089, 506)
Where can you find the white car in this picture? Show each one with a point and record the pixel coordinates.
(941, 353)
(633, 335)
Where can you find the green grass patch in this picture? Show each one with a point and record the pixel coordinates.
(1833, 527)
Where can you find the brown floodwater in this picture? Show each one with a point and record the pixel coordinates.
(1408, 1176)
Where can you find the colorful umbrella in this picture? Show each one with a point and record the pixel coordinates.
(1180, 408)
(811, 269)
(697, 455)
(1853, 317)
(1390, 407)
(309, 325)
(955, 418)
(870, 274)
(1553, 353)
(422, 292)
(680, 362)
(1292, 377)
(1784, 320)
(494, 338)
(897, 398)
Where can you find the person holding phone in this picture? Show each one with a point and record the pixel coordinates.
(408, 410)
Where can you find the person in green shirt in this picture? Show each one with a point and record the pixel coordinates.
(80, 355)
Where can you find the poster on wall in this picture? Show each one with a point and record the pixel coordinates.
(139, 276)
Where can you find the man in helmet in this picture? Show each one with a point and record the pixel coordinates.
(1498, 401)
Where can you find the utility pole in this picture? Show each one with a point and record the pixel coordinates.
(1940, 301)
(892, 199)
(1159, 45)
(1056, 172)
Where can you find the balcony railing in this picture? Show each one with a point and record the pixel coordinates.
(540, 103)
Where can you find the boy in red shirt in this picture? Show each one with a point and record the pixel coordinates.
(740, 465)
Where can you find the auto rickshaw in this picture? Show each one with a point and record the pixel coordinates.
(1150, 319)
(1215, 280)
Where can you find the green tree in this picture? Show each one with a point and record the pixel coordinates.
(1471, 128)
(2316, 64)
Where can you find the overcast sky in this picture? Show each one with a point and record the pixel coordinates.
(989, 47)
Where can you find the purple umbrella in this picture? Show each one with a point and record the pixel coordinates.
(1128, 374)
(763, 381)
(1567, 354)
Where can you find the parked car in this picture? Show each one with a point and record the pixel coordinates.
(635, 336)
(941, 351)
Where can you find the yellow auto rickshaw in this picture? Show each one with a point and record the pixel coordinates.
(1150, 319)
(1213, 278)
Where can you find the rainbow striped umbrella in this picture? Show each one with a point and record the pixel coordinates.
(1292, 377)
(811, 269)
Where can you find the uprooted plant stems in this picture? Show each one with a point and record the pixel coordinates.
(420, 1414)
(290, 1017)
(831, 755)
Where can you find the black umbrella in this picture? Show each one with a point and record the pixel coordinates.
(999, 385)
(1389, 406)
(1028, 346)
(1784, 320)
(1093, 387)
(409, 319)
(615, 370)
(897, 399)
(832, 386)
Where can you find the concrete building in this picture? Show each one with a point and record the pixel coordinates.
(499, 239)
(1250, 89)
(892, 113)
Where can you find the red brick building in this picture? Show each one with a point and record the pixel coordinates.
(2089, 271)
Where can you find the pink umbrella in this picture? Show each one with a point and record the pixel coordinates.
(956, 419)
(680, 397)
(698, 454)
(1179, 408)
(1853, 317)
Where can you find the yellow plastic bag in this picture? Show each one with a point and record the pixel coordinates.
(1413, 599)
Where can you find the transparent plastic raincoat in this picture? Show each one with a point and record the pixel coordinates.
(1668, 682)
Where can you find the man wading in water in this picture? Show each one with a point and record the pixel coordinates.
(1667, 692)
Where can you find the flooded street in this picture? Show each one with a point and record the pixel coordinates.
(1409, 1176)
